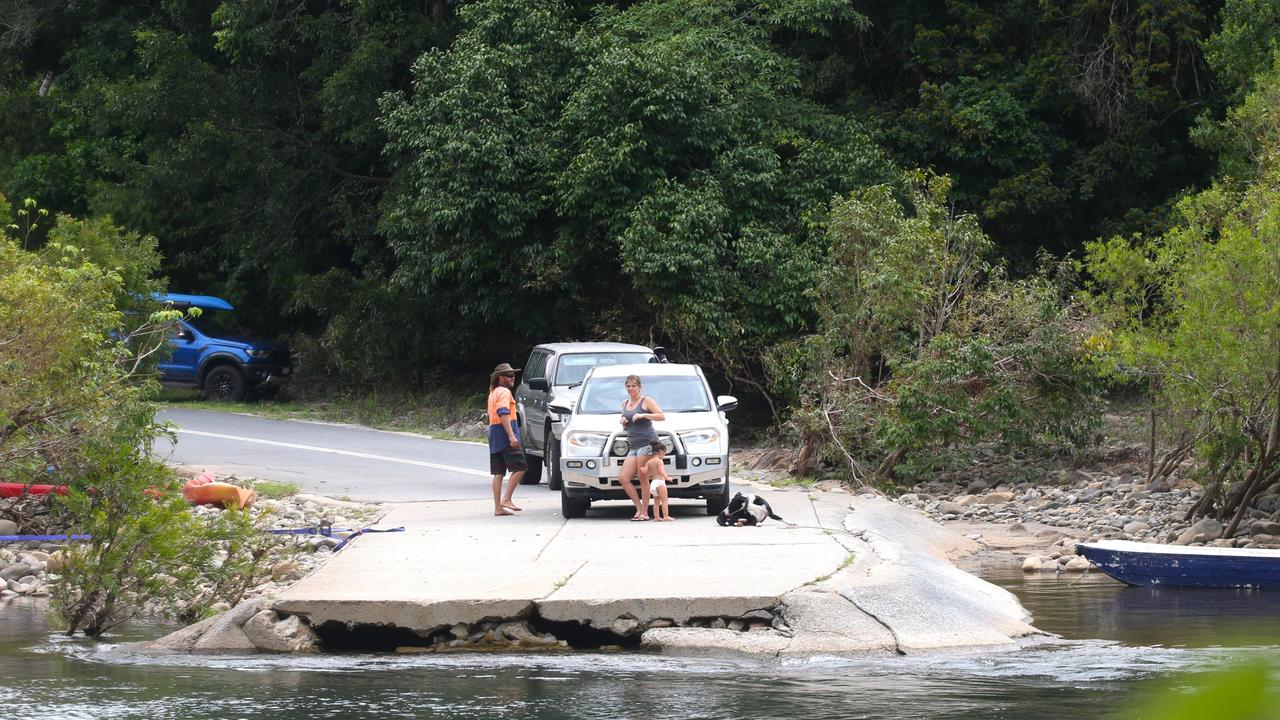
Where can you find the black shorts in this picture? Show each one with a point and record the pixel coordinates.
(511, 459)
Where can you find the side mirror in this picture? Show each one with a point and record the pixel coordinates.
(559, 409)
(726, 403)
(183, 334)
(539, 384)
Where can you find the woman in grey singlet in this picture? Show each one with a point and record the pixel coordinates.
(638, 414)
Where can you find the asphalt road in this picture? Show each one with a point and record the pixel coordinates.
(334, 460)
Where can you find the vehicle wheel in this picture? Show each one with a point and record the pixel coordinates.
(717, 503)
(555, 479)
(571, 508)
(224, 384)
(533, 475)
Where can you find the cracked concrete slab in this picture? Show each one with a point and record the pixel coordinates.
(455, 562)
(847, 575)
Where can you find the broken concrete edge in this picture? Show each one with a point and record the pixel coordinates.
(900, 595)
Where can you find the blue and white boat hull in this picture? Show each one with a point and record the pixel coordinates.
(1152, 565)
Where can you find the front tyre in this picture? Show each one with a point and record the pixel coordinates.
(571, 508)
(555, 479)
(717, 503)
(224, 383)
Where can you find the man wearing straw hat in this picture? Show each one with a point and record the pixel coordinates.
(505, 452)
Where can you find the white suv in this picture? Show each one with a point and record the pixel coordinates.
(696, 433)
(554, 375)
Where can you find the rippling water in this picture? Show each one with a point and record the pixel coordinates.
(1112, 638)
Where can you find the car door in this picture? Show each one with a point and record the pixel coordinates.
(181, 364)
(533, 403)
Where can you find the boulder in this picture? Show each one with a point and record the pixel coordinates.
(996, 498)
(221, 633)
(267, 631)
(1264, 527)
(1135, 527)
(17, 570)
(1207, 527)
(950, 508)
(625, 626)
(225, 637)
(966, 500)
(225, 634)
(1077, 564)
(1032, 564)
(8, 527)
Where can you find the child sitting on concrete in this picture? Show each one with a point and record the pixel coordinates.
(657, 474)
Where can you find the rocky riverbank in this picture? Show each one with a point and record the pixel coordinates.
(30, 569)
(1041, 522)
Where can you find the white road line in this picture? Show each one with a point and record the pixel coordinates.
(334, 451)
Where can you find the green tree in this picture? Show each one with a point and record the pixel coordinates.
(1198, 310)
(652, 170)
(923, 344)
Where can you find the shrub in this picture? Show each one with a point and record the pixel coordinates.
(922, 343)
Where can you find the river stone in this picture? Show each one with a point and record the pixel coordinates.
(1264, 527)
(1136, 526)
(268, 632)
(950, 508)
(225, 637)
(977, 486)
(625, 627)
(460, 631)
(1208, 527)
(8, 527)
(1077, 564)
(16, 571)
(1032, 564)
(225, 634)
(996, 498)
(966, 500)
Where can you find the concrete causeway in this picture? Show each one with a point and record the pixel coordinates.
(845, 575)
(457, 563)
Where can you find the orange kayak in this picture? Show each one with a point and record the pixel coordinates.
(10, 490)
(204, 490)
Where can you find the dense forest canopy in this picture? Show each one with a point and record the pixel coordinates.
(404, 187)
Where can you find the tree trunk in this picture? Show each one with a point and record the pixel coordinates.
(800, 467)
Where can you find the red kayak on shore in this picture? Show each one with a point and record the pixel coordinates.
(12, 490)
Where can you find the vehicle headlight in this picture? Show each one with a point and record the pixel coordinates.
(706, 440)
(584, 443)
(620, 447)
(259, 353)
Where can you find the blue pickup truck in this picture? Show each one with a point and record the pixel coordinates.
(209, 355)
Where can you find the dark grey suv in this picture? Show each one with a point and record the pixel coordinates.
(554, 375)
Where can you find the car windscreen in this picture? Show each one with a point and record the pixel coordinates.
(673, 393)
(216, 323)
(571, 369)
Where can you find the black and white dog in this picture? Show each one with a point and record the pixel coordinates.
(746, 510)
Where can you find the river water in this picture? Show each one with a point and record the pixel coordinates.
(1112, 640)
